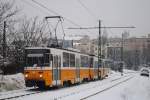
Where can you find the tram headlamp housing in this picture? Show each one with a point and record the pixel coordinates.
(41, 75)
(26, 75)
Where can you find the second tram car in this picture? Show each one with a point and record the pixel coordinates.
(48, 67)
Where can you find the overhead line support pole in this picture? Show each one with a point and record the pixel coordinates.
(100, 41)
(122, 42)
(4, 48)
(99, 49)
(4, 40)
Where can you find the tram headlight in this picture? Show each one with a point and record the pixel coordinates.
(41, 75)
(26, 75)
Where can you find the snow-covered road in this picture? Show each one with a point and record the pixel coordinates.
(137, 88)
(131, 86)
(80, 91)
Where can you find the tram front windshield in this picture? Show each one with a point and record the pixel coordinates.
(37, 58)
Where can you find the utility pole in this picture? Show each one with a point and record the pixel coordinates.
(99, 50)
(121, 64)
(4, 49)
(99, 42)
(4, 41)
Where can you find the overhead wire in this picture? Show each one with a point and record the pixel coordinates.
(32, 5)
(43, 6)
(52, 11)
(87, 9)
(49, 10)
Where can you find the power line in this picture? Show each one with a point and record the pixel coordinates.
(87, 9)
(52, 11)
(43, 6)
(101, 27)
(27, 2)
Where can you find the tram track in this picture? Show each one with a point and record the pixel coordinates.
(13, 97)
(28, 92)
(18, 93)
(108, 88)
(86, 89)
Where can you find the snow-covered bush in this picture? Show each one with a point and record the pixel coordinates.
(12, 82)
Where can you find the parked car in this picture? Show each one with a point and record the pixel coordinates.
(145, 72)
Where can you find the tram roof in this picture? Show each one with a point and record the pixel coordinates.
(60, 49)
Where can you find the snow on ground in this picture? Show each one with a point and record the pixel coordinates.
(129, 71)
(12, 82)
(74, 92)
(137, 88)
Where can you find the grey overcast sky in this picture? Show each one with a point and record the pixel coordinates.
(111, 12)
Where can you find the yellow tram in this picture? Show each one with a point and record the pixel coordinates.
(48, 67)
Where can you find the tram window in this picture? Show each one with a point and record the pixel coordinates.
(96, 64)
(65, 59)
(72, 60)
(41, 61)
(36, 51)
(84, 61)
(37, 57)
(46, 60)
(31, 61)
(77, 62)
(91, 62)
(59, 61)
(51, 57)
(55, 61)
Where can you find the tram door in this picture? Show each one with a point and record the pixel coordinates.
(96, 71)
(77, 69)
(56, 69)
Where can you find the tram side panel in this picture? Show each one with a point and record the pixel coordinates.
(84, 74)
(91, 74)
(84, 68)
(102, 72)
(91, 68)
(95, 66)
(68, 75)
(68, 70)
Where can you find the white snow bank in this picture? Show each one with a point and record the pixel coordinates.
(12, 82)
